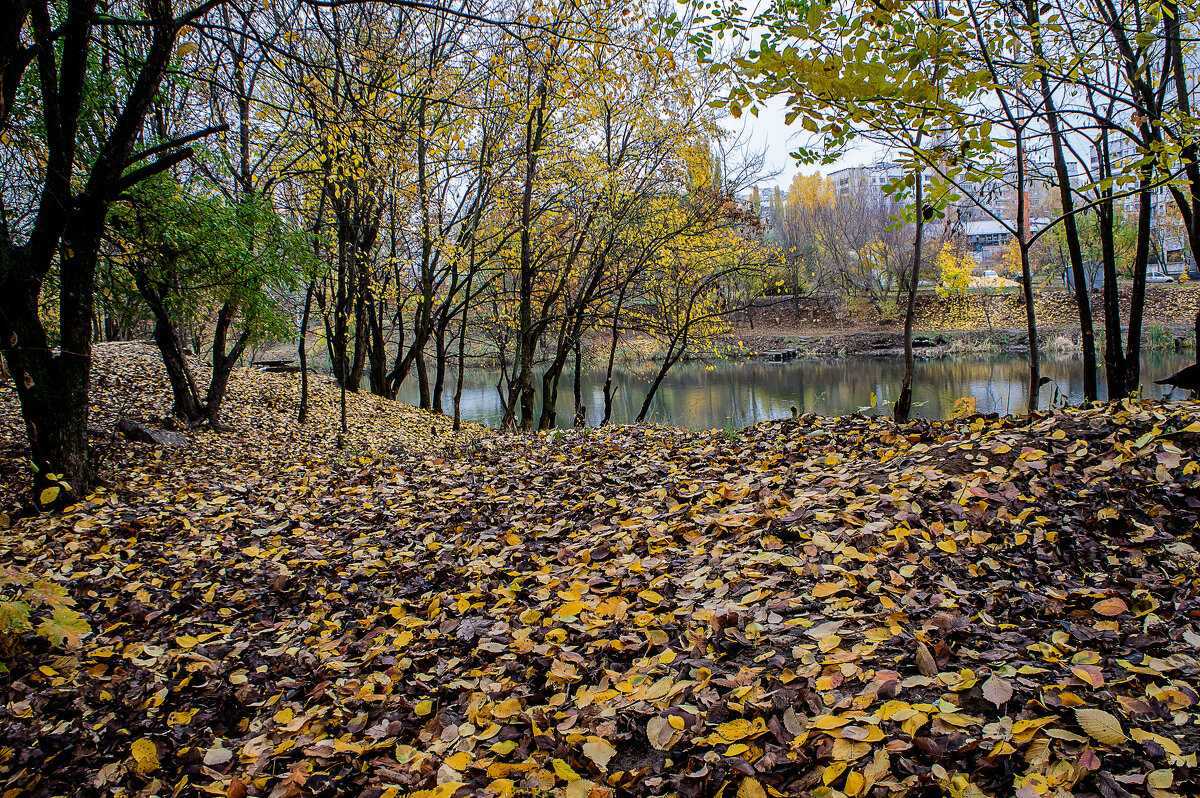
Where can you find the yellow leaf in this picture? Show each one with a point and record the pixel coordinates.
(829, 722)
(571, 608)
(751, 788)
(1101, 726)
(1168, 745)
(650, 597)
(832, 772)
(599, 751)
(181, 718)
(49, 494)
(734, 730)
(507, 708)
(676, 722)
(503, 787)
(564, 771)
(825, 589)
(459, 761)
(423, 708)
(854, 783)
(145, 756)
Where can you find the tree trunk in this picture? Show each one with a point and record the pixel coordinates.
(222, 363)
(672, 357)
(903, 404)
(580, 419)
(423, 381)
(439, 366)
(1114, 352)
(609, 393)
(187, 405)
(1083, 301)
(302, 353)
(53, 389)
(361, 334)
(462, 345)
(1137, 299)
(656, 383)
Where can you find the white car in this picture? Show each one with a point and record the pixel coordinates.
(1159, 277)
(990, 273)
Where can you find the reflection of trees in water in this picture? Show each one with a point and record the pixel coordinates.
(739, 394)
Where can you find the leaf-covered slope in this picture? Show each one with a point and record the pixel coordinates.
(814, 607)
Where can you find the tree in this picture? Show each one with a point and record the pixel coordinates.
(54, 66)
(206, 263)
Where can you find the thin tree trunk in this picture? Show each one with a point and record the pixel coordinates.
(903, 404)
(462, 345)
(577, 388)
(609, 393)
(302, 353)
(1137, 299)
(1083, 302)
(1114, 348)
(1035, 371)
(439, 366)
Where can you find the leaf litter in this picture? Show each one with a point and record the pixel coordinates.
(825, 607)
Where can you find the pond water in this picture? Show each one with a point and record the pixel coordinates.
(746, 392)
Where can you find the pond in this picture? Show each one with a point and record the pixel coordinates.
(745, 392)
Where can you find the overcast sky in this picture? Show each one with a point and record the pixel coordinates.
(768, 132)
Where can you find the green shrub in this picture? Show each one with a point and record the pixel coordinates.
(1159, 337)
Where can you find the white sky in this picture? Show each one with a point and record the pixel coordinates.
(768, 132)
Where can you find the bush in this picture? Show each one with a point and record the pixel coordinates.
(1159, 337)
(889, 310)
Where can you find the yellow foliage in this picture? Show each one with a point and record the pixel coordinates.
(955, 269)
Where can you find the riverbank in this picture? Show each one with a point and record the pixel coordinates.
(981, 607)
(890, 342)
(981, 322)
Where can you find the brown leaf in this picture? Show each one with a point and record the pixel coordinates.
(1110, 607)
(997, 690)
(925, 661)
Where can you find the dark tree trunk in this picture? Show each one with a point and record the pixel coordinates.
(672, 357)
(903, 404)
(577, 388)
(1114, 348)
(302, 353)
(377, 351)
(1137, 299)
(361, 336)
(52, 388)
(462, 346)
(186, 403)
(609, 392)
(439, 366)
(423, 381)
(1083, 302)
(667, 363)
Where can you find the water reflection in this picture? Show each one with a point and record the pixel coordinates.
(745, 393)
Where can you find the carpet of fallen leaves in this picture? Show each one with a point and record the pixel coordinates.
(823, 607)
